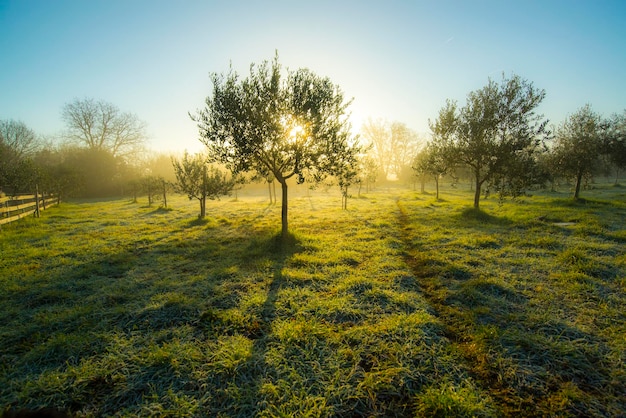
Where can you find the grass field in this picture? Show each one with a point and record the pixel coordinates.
(401, 305)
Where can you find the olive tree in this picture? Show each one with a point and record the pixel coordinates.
(285, 126)
(496, 134)
(578, 146)
(199, 180)
(615, 142)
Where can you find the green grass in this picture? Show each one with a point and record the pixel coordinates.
(400, 306)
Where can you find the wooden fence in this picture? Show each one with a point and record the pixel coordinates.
(13, 208)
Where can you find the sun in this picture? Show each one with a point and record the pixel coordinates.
(295, 131)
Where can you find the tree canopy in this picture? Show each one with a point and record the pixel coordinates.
(198, 180)
(293, 126)
(495, 134)
(102, 126)
(578, 144)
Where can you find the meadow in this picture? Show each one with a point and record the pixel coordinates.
(401, 305)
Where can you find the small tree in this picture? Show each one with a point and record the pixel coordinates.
(578, 145)
(293, 127)
(431, 161)
(153, 186)
(615, 142)
(198, 180)
(368, 171)
(347, 175)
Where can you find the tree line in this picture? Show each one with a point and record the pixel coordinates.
(504, 146)
(280, 126)
(101, 153)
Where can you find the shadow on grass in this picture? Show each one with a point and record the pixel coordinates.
(512, 349)
(141, 295)
(479, 216)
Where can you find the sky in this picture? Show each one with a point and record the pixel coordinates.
(398, 60)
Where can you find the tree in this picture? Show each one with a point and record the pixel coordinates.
(198, 180)
(393, 145)
(293, 127)
(615, 142)
(102, 126)
(431, 160)
(18, 144)
(376, 133)
(404, 145)
(19, 138)
(438, 156)
(347, 174)
(496, 134)
(578, 145)
(96, 169)
(368, 171)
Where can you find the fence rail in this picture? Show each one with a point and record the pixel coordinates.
(13, 208)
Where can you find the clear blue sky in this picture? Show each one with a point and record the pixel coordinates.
(400, 60)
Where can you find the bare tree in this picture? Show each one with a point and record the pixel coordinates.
(393, 145)
(103, 126)
(377, 134)
(19, 138)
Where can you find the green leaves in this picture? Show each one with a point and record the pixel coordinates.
(496, 134)
(274, 124)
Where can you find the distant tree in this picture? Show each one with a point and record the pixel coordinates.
(392, 145)
(54, 173)
(431, 161)
(153, 187)
(159, 165)
(377, 134)
(438, 157)
(404, 145)
(615, 142)
(368, 171)
(96, 169)
(198, 180)
(347, 174)
(18, 144)
(19, 138)
(102, 126)
(578, 146)
(285, 127)
(496, 134)
(17, 175)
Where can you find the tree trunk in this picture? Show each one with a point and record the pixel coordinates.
(164, 194)
(203, 197)
(269, 187)
(477, 194)
(285, 223)
(437, 186)
(579, 179)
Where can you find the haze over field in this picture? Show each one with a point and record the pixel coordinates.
(400, 60)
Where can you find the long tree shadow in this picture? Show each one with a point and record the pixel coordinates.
(511, 350)
(140, 295)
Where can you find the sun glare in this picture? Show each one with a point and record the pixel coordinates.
(295, 131)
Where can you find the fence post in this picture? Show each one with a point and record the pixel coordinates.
(37, 201)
